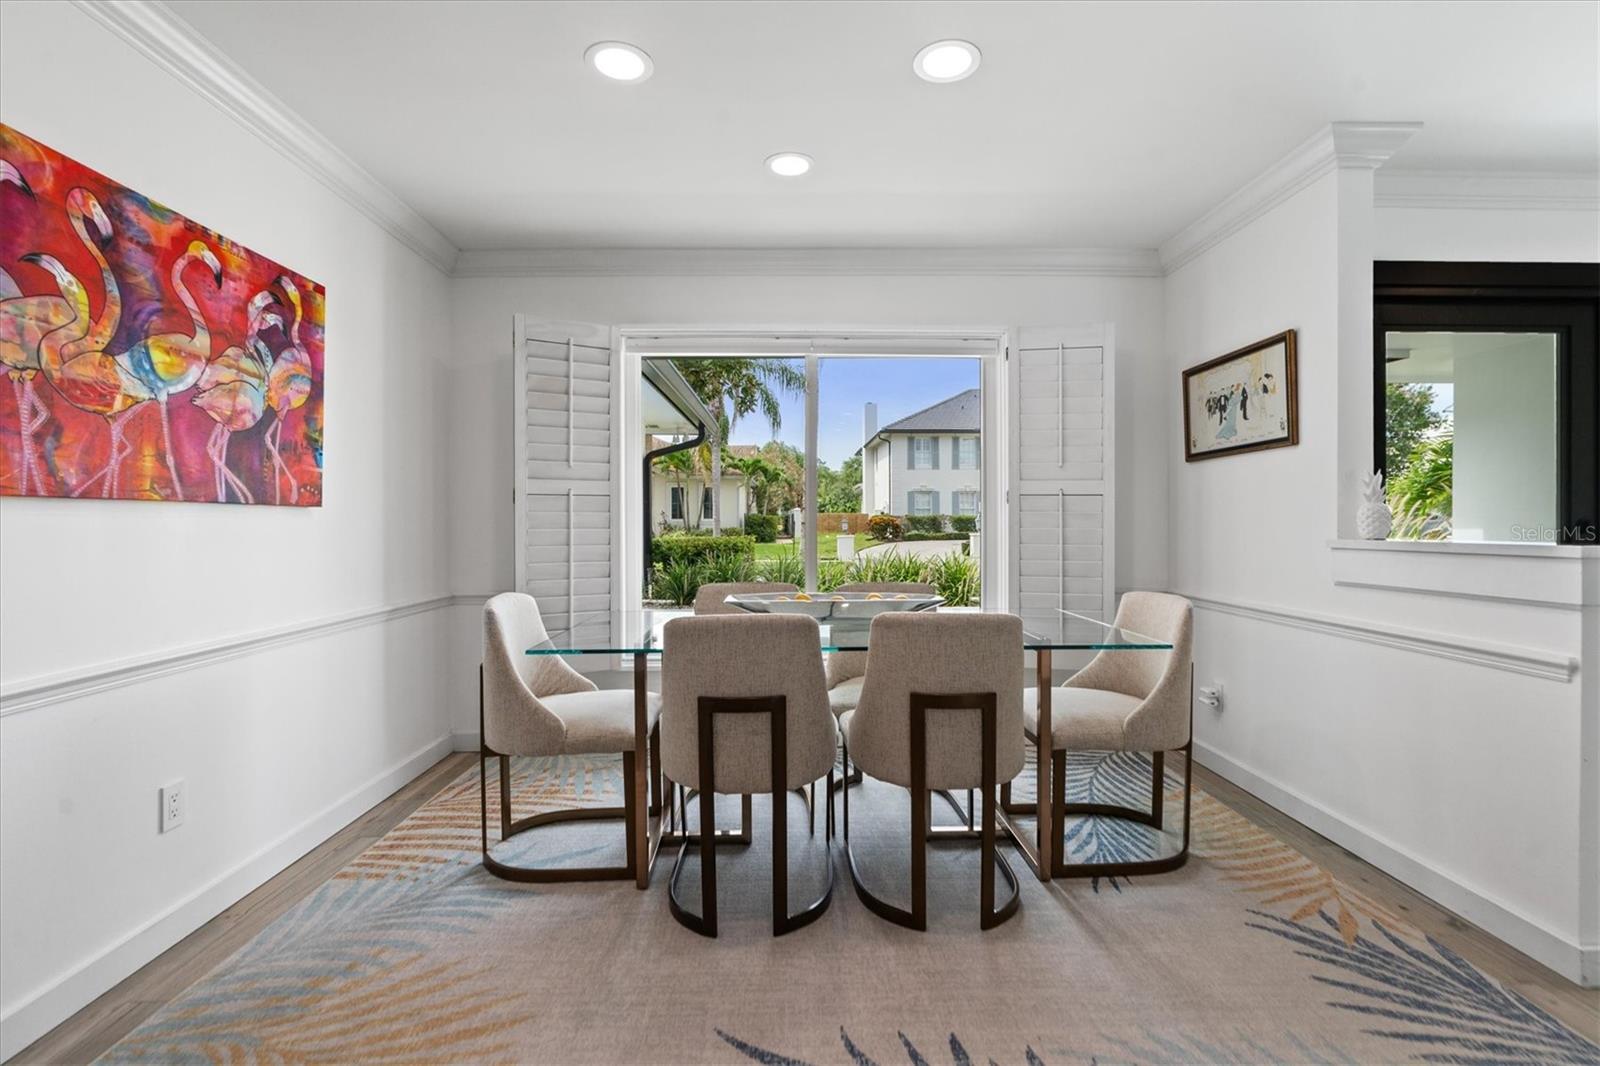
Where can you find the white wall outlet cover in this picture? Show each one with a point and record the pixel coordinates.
(173, 806)
(1211, 695)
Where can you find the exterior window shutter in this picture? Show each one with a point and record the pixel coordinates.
(934, 496)
(977, 453)
(911, 453)
(933, 448)
(564, 490)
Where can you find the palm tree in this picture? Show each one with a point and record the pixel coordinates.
(732, 389)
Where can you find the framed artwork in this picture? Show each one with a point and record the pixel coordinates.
(1242, 402)
(146, 356)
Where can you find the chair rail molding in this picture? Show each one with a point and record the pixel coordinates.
(806, 262)
(1355, 145)
(32, 693)
(1533, 662)
(182, 51)
(1487, 190)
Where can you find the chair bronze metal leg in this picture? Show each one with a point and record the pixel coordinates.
(657, 778)
(921, 809)
(510, 827)
(1153, 818)
(775, 708)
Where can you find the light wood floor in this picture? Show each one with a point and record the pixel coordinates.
(102, 1023)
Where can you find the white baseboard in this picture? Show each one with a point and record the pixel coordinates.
(465, 741)
(35, 1016)
(1575, 962)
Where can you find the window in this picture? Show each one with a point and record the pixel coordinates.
(677, 504)
(922, 501)
(1485, 399)
(705, 503)
(966, 453)
(924, 456)
(966, 502)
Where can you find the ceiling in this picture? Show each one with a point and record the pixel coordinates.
(1087, 125)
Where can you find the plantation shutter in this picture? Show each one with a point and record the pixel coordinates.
(1062, 498)
(564, 494)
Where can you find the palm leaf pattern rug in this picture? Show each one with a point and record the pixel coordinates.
(1250, 953)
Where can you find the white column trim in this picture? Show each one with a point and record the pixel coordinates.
(1364, 145)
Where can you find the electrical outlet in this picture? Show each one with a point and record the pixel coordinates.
(174, 805)
(1211, 695)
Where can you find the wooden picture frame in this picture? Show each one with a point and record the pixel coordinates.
(1218, 396)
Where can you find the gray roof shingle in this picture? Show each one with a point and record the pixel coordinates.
(961, 413)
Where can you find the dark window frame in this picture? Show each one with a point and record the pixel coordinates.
(1559, 298)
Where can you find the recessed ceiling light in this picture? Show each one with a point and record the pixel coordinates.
(947, 61)
(619, 61)
(789, 164)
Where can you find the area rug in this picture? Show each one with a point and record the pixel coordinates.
(1249, 953)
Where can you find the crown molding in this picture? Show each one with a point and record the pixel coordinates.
(1488, 190)
(688, 262)
(1351, 145)
(179, 49)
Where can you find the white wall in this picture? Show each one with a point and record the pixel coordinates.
(1466, 780)
(279, 746)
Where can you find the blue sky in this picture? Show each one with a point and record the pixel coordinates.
(898, 386)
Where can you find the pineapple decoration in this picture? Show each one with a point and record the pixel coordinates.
(1373, 518)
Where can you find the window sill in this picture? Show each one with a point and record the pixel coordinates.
(1546, 575)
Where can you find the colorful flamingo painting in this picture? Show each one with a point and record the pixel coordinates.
(233, 391)
(111, 304)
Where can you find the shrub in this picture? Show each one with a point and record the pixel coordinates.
(885, 527)
(925, 523)
(956, 578)
(887, 566)
(728, 568)
(700, 547)
(936, 536)
(831, 574)
(677, 582)
(763, 527)
(787, 567)
(964, 523)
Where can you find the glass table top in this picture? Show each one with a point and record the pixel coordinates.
(639, 633)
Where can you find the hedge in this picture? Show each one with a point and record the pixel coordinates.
(673, 548)
(964, 523)
(763, 527)
(925, 523)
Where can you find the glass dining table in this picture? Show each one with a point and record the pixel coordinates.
(637, 634)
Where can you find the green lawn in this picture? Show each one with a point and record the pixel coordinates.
(827, 547)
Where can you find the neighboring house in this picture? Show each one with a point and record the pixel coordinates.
(689, 505)
(929, 462)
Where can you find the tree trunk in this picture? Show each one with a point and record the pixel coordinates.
(716, 478)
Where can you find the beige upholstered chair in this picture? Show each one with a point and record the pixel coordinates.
(1125, 701)
(846, 669)
(940, 710)
(709, 599)
(745, 710)
(537, 705)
